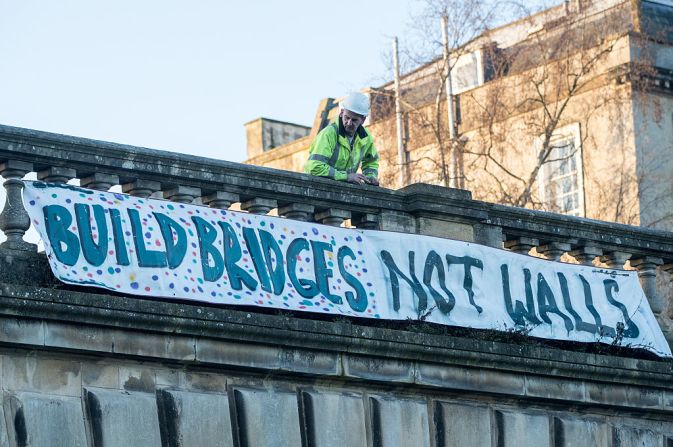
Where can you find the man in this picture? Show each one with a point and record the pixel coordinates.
(340, 148)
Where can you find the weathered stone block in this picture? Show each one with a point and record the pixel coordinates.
(523, 429)
(606, 394)
(550, 388)
(47, 421)
(100, 375)
(158, 346)
(267, 418)
(642, 397)
(181, 348)
(313, 362)
(237, 354)
(489, 235)
(580, 433)
(204, 382)
(20, 331)
(470, 379)
(397, 221)
(445, 229)
(628, 437)
(134, 378)
(24, 267)
(668, 401)
(462, 425)
(4, 438)
(378, 368)
(167, 378)
(194, 419)
(400, 422)
(79, 337)
(32, 373)
(334, 419)
(267, 357)
(123, 418)
(147, 345)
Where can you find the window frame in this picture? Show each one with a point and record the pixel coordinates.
(572, 134)
(473, 58)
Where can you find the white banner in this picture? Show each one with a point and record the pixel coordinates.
(157, 248)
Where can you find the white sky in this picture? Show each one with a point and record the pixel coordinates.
(186, 75)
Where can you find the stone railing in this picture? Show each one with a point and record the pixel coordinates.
(419, 208)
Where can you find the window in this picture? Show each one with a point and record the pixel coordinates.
(467, 72)
(560, 182)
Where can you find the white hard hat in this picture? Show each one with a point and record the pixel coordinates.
(356, 102)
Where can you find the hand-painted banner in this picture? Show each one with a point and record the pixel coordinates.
(165, 249)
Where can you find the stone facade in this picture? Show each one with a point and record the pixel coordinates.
(617, 121)
(264, 134)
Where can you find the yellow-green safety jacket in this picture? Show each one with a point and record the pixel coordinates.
(331, 155)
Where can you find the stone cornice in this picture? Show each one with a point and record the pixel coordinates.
(192, 322)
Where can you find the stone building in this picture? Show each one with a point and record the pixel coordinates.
(568, 110)
(263, 134)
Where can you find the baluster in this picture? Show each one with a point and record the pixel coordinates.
(259, 205)
(297, 211)
(522, 244)
(647, 273)
(616, 259)
(57, 174)
(14, 220)
(554, 250)
(182, 194)
(141, 188)
(586, 254)
(99, 181)
(332, 216)
(220, 199)
(668, 268)
(366, 221)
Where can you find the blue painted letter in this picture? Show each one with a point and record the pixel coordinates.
(175, 250)
(118, 236)
(232, 254)
(207, 235)
(57, 219)
(94, 253)
(146, 258)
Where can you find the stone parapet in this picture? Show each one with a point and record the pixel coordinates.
(420, 208)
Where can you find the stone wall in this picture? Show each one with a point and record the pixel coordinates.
(86, 369)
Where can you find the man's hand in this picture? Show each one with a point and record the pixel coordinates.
(356, 178)
(371, 181)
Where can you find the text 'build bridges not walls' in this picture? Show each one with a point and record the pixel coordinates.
(160, 249)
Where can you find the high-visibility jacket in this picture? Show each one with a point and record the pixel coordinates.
(332, 156)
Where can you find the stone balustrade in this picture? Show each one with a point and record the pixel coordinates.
(419, 208)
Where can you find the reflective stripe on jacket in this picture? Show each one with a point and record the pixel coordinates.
(330, 154)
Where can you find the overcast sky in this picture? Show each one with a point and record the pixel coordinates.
(186, 75)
